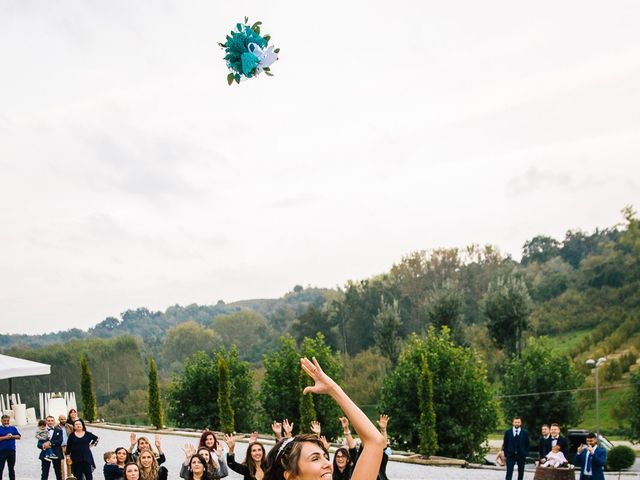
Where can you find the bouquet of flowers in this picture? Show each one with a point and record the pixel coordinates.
(248, 53)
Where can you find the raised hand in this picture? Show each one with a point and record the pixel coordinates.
(157, 441)
(324, 441)
(383, 421)
(277, 428)
(323, 384)
(188, 450)
(219, 450)
(288, 427)
(254, 437)
(230, 441)
(132, 439)
(315, 427)
(344, 421)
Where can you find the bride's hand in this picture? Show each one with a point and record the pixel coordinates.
(323, 383)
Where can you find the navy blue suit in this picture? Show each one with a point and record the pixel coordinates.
(598, 460)
(56, 446)
(515, 450)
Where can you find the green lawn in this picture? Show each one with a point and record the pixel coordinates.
(566, 341)
(608, 400)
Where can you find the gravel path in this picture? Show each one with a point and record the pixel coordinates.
(28, 465)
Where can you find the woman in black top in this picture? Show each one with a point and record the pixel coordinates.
(79, 446)
(342, 465)
(254, 463)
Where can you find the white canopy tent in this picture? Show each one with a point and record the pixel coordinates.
(12, 367)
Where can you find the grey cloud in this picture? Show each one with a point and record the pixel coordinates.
(140, 164)
(535, 179)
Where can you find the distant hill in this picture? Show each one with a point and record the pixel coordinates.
(151, 325)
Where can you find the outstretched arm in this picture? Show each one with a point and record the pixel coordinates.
(372, 440)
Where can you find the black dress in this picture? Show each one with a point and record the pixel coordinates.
(79, 449)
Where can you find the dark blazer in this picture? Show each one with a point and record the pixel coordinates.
(563, 442)
(597, 463)
(515, 447)
(56, 443)
(544, 446)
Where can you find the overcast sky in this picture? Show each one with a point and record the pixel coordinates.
(132, 175)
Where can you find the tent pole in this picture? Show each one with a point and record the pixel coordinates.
(10, 389)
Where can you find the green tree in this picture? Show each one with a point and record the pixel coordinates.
(243, 399)
(154, 406)
(280, 391)
(327, 410)
(634, 406)
(537, 387)
(386, 331)
(507, 306)
(363, 376)
(428, 435)
(612, 371)
(246, 329)
(280, 388)
(540, 249)
(89, 409)
(462, 397)
(187, 338)
(226, 415)
(444, 308)
(193, 396)
(312, 321)
(307, 409)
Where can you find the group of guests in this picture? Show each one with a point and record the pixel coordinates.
(65, 445)
(303, 457)
(208, 460)
(553, 449)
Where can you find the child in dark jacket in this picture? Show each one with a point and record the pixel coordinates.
(111, 469)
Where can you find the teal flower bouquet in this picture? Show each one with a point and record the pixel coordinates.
(248, 53)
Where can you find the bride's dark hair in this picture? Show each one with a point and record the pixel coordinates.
(285, 456)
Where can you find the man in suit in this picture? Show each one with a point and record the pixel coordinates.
(590, 459)
(515, 446)
(556, 438)
(544, 444)
(55, 442)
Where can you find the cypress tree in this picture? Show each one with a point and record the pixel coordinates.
(154, 409)
(89, 410)
(225, 410)
(307, 409)
(427, 429)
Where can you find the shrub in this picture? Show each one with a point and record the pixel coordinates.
(620, 457)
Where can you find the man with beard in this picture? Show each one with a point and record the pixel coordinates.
(591, 459)
(515, 446)
(62, 423)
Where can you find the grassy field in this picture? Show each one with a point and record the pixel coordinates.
(608, 400)
(566, 341)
